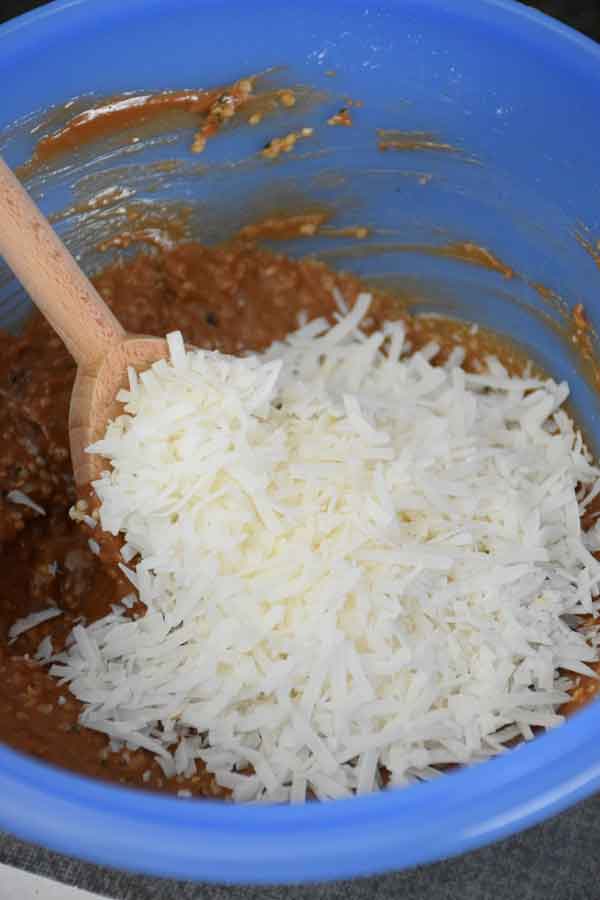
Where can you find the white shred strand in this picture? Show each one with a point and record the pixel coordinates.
(31, 621)
(23, 499)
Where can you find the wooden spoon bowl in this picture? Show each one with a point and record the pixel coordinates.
(98, 343)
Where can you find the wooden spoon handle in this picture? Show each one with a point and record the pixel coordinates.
(52, 278)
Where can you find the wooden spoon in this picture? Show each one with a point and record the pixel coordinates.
(100, 346)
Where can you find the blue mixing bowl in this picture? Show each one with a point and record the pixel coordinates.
(516, 95)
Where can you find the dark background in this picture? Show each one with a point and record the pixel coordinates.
(558, 860)
(581, 14)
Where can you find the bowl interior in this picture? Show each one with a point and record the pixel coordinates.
(520, 179)
(512, 99)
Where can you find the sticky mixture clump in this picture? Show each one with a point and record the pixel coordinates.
(277, 146)
(224, 108)
(287, 98)
(234, 298)
(342, 117)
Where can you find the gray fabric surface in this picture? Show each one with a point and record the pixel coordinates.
(558, 860)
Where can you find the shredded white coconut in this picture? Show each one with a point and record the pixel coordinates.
(350, 559)
(45, 649)
(31, 621)
(24, 499)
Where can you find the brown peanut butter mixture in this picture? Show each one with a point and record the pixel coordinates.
(232, 298)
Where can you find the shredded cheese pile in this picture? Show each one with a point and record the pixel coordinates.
(351, 560)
